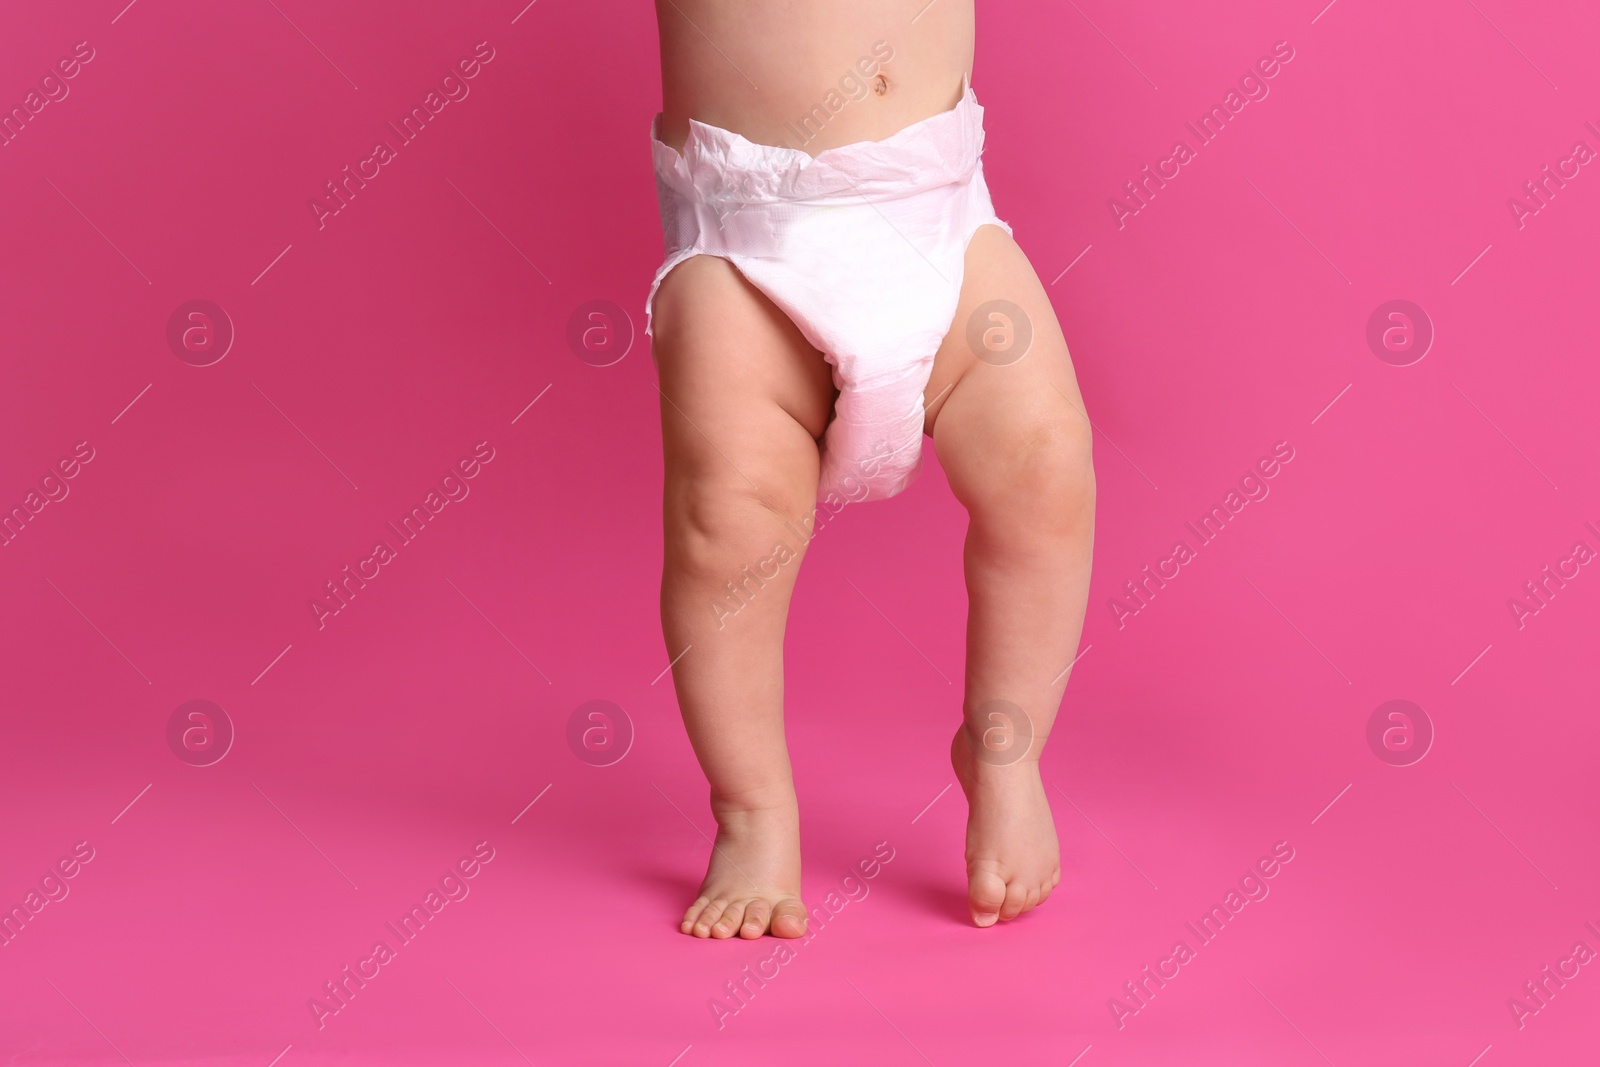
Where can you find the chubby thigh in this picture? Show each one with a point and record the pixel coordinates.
(745, 397)
(1003, 371)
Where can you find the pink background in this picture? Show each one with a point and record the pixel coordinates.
(372, 754)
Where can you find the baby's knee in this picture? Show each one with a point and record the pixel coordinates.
(1042, 470)
(712, 520)
(1059, 457)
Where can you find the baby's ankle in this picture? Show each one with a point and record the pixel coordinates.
(988, 751)
(775, 799)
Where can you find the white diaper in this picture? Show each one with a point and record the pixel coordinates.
(862, 246)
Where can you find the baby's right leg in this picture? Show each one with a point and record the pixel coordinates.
(744, 400)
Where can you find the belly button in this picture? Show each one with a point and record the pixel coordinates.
(880, 85)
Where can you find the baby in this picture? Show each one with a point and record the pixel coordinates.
(837, 285)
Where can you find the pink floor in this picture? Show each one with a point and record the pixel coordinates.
(365, 754)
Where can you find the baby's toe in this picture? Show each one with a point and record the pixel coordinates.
(729, 921)
(693, 913)
(986, 895)
(708, 917)
(789, 918)
(1017, 900)
(757, 917)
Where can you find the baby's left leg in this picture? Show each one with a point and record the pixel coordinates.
(1014, 440)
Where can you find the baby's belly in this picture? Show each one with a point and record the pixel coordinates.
(810, 74)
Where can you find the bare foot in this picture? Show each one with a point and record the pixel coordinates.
(752, 884)
(1013, 857)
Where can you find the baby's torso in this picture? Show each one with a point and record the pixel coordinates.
(810, 74)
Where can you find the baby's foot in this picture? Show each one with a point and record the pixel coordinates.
(752, 883)
(1013, 858)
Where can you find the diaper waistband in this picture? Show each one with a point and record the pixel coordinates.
(721, 167)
